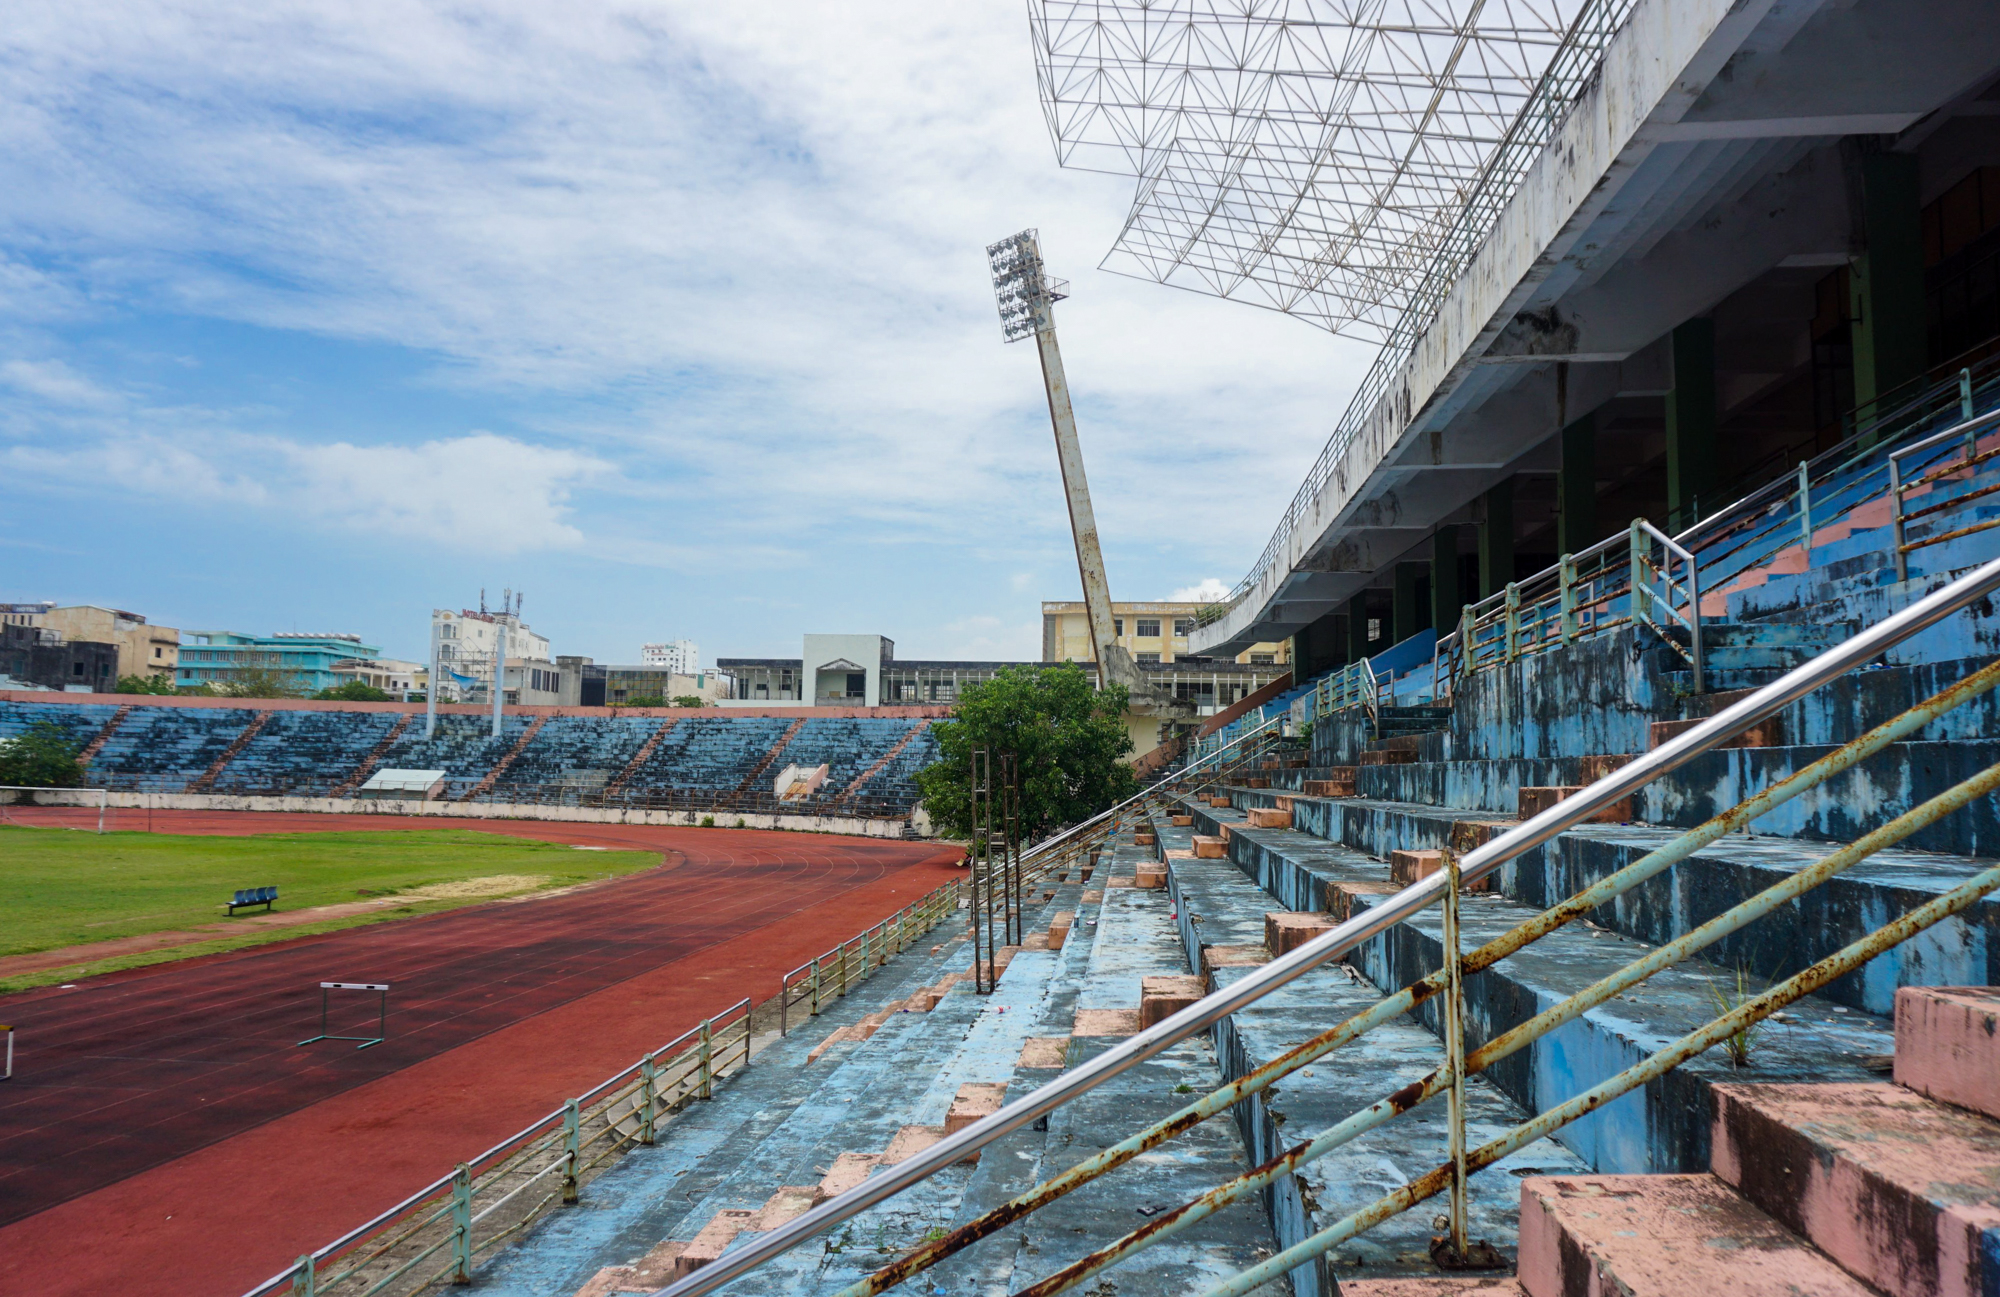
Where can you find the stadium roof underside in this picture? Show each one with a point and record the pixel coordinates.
(1521, 200)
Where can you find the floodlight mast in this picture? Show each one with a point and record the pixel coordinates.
(1026, 295)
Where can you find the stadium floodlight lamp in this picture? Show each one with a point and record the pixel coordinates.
(1021, 286)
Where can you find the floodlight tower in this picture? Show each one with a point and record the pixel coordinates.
(1026, 296)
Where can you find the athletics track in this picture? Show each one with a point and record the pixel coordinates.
(166, 1135)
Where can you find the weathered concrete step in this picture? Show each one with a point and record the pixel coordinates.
(1843, 808)
(1455, 1286)
(1948, 1045)
(1663, 1236)
(1900, 1190)
(1224, 918)
(1960, 951)
(649, 1198)
(1665, 1127)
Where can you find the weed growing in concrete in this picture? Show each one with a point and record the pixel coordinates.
(1738, 1045)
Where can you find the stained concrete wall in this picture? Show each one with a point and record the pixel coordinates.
(848, 826)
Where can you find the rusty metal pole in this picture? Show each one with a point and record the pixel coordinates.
(1454, 1040)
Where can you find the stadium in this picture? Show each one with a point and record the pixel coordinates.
(1602, 898)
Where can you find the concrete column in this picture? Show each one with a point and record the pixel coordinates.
(1576, 487)
(1357, 628)
(1318, 647)
(1409, 614)
(1446, 598)
(1693, 456)
(1496, 540)
(1887, 281)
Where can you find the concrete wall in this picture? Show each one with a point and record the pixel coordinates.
(847, 826)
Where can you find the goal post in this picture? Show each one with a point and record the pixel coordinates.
(7, 800)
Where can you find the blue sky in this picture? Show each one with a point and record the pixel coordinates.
(674, 317)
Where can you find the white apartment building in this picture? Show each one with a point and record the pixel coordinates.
(681, 656)
(466, 642)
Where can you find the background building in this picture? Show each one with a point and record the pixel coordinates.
(1150, 632)
(41, 656)
(466, 642)
(681, 656)
(305, 660)
(863, 671)
(143, 649)
(392, 675)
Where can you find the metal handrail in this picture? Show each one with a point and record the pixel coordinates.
(1109, 815)
(1476, 643)
(1346, 936)
(521, 1142)
(1392, 1007)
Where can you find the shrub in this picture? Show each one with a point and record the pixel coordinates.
(41, 757)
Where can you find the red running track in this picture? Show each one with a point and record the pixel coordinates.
(165, 1133)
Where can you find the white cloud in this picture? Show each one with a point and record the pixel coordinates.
(53, 381)
(479, 493)
(740, 264)
(1207, 590)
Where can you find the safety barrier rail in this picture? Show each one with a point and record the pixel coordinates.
(508, 1187)
(1937, 475)
(828, 977)
(1592, 592)
(624, 1110)
(1444, 887)
(1353, 685)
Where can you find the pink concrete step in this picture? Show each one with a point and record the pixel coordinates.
(1898, 1189)
(1433, 1286)
(1948, 1044)
(1663, 1236)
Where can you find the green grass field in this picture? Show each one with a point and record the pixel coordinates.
(61, 888)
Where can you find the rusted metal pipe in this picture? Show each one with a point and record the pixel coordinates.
(1748, 1014)
(1421, 1091)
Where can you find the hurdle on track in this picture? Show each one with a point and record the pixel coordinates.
(8, 1073)
(381, 1022)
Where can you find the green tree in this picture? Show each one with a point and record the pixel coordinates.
(354, 691)
(690, 700)
(41, 757)
(158, 682)
(643, 700)
(261, 675)
(1068, 740)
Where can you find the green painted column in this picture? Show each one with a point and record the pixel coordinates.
(1496, 540)
(1446, 598)
(1576, 486)
(1409, 614)
(1357, 628)
(1693, 455)
(1886, 282)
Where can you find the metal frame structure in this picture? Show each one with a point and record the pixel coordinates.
(1337, 160)
(381, 989)
(103, 798)
(1406, 904)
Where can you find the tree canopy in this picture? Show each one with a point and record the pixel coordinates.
(158, 682)
(1067, 738)
(354, 691)
(41, 757)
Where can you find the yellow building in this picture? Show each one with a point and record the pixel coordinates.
(143, 649)
(1150, 632)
